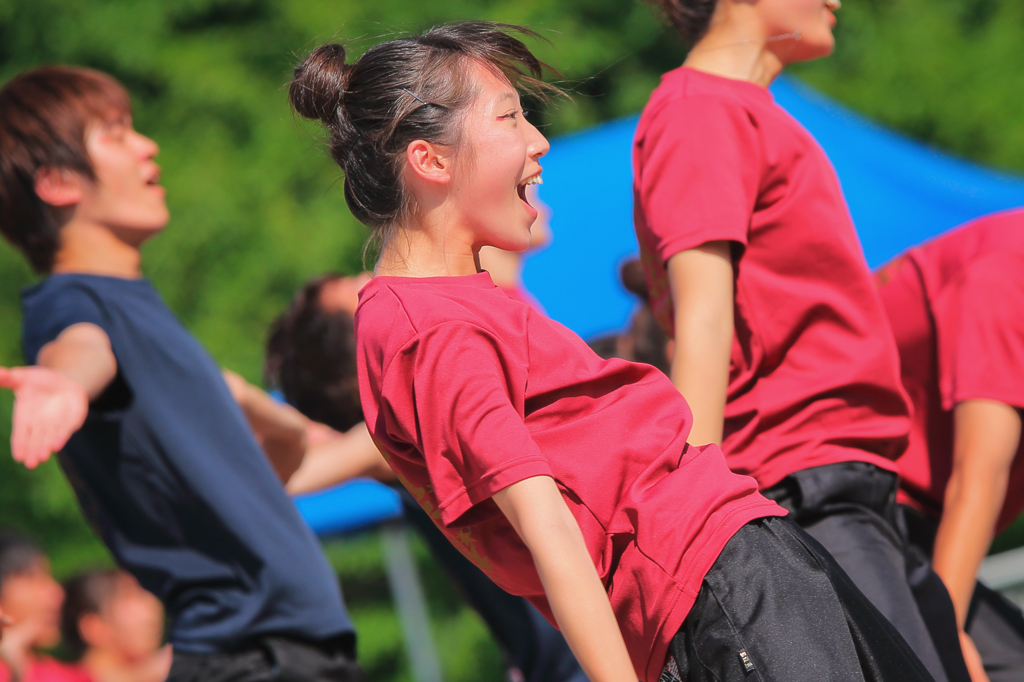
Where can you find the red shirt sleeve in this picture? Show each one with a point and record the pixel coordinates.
(980, 322)
(699, 173)
(456, 394)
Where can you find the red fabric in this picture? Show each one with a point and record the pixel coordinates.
(957, 310)
(467, 392)
(48, 670)
(814, 376)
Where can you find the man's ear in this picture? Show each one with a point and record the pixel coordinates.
(59, 186)
(429, 162)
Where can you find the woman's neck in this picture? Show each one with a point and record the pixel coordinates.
(736, 47)
(413, 251)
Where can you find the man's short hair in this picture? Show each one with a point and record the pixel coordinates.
(85, 593)
(44, 116)
(311, 359)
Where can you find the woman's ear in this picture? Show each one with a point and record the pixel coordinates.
(429, 162)
(59, 186)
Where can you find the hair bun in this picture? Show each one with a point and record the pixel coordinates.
(319, 83)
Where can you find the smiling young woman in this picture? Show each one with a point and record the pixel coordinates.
(566, 478)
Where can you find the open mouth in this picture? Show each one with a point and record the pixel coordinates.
(521, 187)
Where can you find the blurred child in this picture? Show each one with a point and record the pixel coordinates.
(956, 305)
(566, 478)
(165, 458)
(644, 340)
(31, 600)
(114, 628)
(782, 348)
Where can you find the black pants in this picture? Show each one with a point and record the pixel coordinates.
(775, 607)
(273, 659)
(535, 650)
(995, 624)
(850, 508)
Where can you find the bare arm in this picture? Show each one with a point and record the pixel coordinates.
(536, 510)
(986, 438)
(338, 458)
(279, 428)
(51, 399)
(701, 280)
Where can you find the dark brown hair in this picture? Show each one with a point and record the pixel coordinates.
(18, 554)
(691, 18)
(44, 115)
(412, 88)
(85, 593)
(311, 359)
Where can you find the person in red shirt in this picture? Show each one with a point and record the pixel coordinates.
(566, 478)
(782, 348)
(31, 600)
(956, 305)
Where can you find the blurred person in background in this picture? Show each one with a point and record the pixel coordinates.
(178, 465)
(956, 304)
(644, 340)
(31, 600)
(782, 347)
(114, 628)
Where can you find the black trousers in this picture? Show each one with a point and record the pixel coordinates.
(535, 650)
(995, 624)
(273, 659)
(850, 508)
(775, 607)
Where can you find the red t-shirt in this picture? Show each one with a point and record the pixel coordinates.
(466, 392)
(814, 374)
(957, 310)
(45, 669)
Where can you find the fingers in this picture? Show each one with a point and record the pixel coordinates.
(11, 377)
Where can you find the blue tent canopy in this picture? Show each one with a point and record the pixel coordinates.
(900, 193)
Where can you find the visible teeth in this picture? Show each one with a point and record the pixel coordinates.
(535, 180)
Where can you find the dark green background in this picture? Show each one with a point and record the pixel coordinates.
(257, 208)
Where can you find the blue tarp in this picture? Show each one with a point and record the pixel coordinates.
(900, 193)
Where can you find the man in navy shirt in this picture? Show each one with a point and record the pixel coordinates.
(159, 449)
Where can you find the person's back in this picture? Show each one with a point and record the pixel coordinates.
(154, 443)
(956, 304)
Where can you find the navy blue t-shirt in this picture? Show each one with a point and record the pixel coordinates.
(171, 476)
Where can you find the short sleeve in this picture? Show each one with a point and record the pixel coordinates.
(47, 315)
(698, 173)
(456, 394)
(980, 323)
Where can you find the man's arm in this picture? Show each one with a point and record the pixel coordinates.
(986, 435)
(279, 428)
(51, 399)
(338, 457)
(536, 510)
(701, 281)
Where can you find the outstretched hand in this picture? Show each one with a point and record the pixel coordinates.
(48, 408)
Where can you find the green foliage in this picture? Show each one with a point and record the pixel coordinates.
(257, 208)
